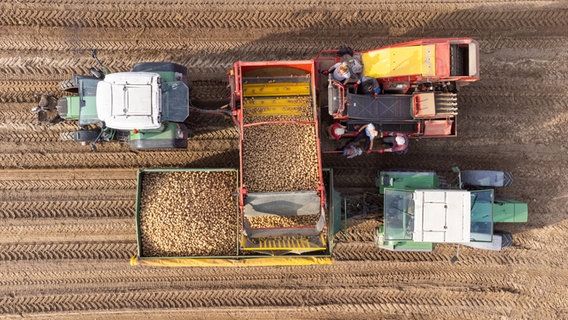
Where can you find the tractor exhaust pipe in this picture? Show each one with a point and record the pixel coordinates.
(101, 71)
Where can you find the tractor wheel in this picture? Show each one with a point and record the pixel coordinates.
(507, 179)
(87, 135)
(68, 86)
(506, 239)
(159, 66)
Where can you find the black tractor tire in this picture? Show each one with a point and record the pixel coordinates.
(68, 86)
(159, 66)
(506, 238)
(86, 135)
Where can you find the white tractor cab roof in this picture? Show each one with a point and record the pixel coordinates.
(442, 216)
(130, 100)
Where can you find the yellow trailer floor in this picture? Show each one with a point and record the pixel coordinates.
(276, 89)
(270, 106)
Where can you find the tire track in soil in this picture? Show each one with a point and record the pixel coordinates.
(45, 181)
(502, 293)
(77, 195)
(62, 59)
(355, 236)
(21, 69)
(35, 136)
(65, 250)
(61, 147)
(15, 116)
(488, 278)
(210, 133)
(190, 159)
(213, 42)
(32, 127)
(18, 93)
(421, 300)
(67, 209)
(90, 184)
(22, 91)
(172, 5)
(60, 65)
(432, 17)
(39, 135)
(538, 239)
(354, 251)
(218, 144)
(66, 230)
(346, 178)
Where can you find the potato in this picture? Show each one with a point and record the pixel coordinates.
(189, 213)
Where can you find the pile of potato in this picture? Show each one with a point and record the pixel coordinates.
(282, 221)
(189, 213)
(303, 104)
(280, 158)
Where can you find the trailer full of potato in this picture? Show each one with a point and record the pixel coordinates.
(280, 157)
(258, 222)
(279, 146)
(200, 213)
(188, 213)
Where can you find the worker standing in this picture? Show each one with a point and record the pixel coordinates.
(395, 142)
(336, 130)
(343, 72)
(340, 72)
(367, 132)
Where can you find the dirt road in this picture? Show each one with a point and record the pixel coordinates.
(67, 215)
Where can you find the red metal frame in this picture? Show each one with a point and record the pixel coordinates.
(235, 79)
(442, 74)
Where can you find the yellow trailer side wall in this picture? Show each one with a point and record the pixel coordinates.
(220, 262)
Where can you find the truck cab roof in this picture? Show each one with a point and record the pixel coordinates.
(130, 100)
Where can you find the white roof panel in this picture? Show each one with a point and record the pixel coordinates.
(442, 216)
(130, 100)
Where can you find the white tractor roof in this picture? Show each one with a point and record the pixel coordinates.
(130, 100)
(442, 216)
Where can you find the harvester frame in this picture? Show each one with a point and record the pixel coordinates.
(418, 94)
(264, 85)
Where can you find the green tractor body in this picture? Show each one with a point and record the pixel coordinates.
(418, 213)
(169, 135)
(146, 106)
(506, 210)
(68, 107)
(81, 107)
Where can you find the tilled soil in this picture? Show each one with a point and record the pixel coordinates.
(68, 229)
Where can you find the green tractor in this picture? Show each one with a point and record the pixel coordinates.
(421, 209)
(145, 107)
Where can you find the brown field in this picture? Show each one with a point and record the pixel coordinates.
(67, 226)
